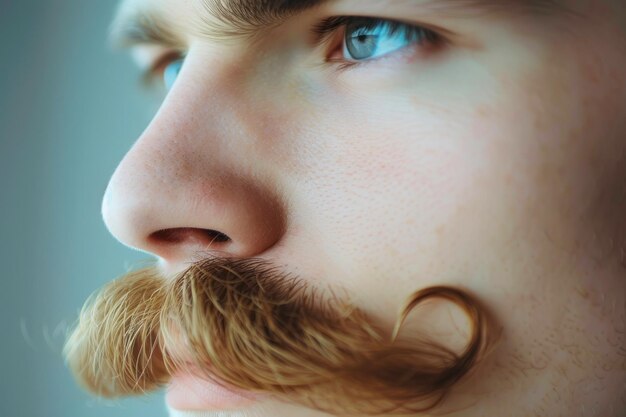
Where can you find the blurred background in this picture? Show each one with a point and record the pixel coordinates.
(70, 107)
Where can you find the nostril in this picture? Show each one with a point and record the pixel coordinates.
(189, 235)
(216, 236)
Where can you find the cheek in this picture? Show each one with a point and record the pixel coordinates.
(568, 141)
(388, 193)
(556, 178)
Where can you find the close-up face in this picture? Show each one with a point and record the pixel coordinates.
(372, 149)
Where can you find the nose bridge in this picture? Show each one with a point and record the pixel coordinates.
(180, 190)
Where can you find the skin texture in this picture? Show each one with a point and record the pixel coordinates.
(496, 164)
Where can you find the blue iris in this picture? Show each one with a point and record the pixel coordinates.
(372, 38)
(171, 73)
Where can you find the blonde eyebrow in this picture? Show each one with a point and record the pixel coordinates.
(221, 19)
(236, 18)
(141, 28)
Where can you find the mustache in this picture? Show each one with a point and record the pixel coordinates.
(249, 325)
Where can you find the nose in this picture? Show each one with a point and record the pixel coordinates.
(187, 187)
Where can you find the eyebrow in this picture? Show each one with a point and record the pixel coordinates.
(145, 27)
(222, 19)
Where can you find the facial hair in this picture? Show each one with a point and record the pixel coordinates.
(250, 326)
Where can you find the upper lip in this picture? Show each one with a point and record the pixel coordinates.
(191, 391)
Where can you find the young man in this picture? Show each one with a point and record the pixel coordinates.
(372, 207)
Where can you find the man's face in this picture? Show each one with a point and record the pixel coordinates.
(381, 147)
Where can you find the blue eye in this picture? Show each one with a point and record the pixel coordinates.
(369, 38)
(171, 72)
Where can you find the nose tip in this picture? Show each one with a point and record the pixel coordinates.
(181, 217)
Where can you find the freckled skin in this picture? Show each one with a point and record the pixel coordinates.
(500, 169)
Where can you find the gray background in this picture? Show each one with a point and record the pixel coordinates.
(70, 107)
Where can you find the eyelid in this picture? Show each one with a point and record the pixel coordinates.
(155, 70)
(331, 31)
(330, 25)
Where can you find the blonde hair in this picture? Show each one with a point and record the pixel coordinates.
(251, 327)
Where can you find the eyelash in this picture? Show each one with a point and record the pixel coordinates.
(329, 31)
(332, 31)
